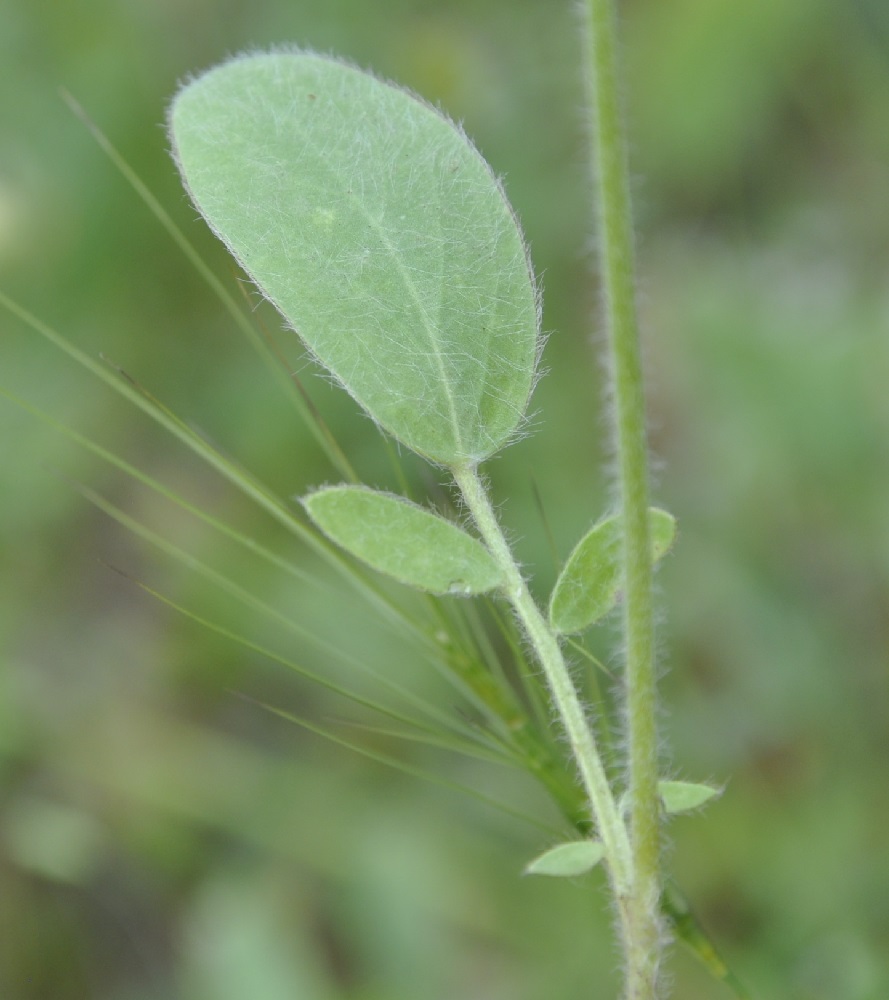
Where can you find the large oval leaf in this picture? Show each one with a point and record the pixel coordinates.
(403, 540)
(379, 232)
(589, 585)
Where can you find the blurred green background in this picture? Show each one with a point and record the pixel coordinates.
(162, 837)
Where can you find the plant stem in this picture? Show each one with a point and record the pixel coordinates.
(607, 817)
(640, 919)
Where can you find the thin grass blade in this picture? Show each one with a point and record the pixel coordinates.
(273, 362)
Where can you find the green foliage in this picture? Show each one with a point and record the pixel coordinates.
(404, 541)
(383, 238)
(589, 585)
(387, 532)
(683, 796)
(575, 857)
(381, 235)
(765, 296)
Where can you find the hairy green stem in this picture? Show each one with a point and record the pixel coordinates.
(640, 914)
(605, 812)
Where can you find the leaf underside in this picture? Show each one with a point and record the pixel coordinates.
(404, 541)
(381, 235)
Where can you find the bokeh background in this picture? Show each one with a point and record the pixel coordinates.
(161, 836)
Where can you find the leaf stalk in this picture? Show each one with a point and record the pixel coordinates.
(605, 811)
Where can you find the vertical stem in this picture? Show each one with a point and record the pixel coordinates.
(606, 815)
(640, 918)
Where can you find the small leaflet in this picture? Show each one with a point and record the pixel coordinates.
(589, 584)
(403, 540)
(683, 796)
(575, 857)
